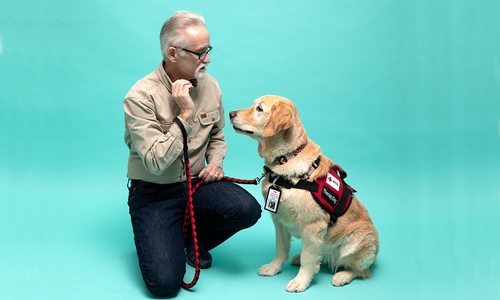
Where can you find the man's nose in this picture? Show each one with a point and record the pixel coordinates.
(206, 59)
(232, 114)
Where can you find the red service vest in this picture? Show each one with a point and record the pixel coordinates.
(332, 193)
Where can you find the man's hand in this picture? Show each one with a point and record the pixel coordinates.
(211, 173)
(181, 97)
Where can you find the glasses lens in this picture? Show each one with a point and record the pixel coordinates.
(204, 54)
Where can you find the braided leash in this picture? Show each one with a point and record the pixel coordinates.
(189, 213)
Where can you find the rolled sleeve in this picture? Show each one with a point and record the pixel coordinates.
(177, 131)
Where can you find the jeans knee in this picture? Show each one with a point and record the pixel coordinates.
(163, 286)
(252, 213)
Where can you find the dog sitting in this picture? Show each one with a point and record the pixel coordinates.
(348, 243)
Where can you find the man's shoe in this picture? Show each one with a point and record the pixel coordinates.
(204, 256)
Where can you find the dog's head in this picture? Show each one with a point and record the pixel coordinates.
(268, 116)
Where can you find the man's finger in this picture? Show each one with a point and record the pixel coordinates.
(186, 87)
(208, 178)
(174, 89)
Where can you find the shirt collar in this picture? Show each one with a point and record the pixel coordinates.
(165, 79)
(163, 76)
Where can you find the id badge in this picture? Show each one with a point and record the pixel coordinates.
(273, 199)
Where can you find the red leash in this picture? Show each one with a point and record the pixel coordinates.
(189, 213)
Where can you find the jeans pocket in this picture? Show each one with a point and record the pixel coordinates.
(139, 195)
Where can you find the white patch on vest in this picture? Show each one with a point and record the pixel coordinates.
(332, 181)
(330, 196)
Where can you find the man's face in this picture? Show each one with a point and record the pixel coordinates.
(197, 40)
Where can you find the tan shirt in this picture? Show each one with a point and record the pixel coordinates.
(155, 140)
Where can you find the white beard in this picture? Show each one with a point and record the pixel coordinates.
(199, 75)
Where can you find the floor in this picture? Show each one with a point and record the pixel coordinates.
(403, 95)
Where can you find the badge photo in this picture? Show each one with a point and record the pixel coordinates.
(273, 199)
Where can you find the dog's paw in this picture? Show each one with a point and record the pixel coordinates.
(298, 284)
(295, 261)
(270, 269)
(342, 278)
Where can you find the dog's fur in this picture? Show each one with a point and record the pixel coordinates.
(351, 243)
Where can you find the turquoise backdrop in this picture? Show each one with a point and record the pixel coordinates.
(405, 95)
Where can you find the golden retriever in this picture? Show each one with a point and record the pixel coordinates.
(350, 243)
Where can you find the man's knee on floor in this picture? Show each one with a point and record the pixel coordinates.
(164, 286)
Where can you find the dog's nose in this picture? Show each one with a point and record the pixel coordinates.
(232, 114)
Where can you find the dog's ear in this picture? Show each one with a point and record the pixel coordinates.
(280, 118)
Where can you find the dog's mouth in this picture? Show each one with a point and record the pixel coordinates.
(242, 130)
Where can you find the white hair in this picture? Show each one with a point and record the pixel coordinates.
(172, 32)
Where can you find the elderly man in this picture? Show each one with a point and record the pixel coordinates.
(180, 88)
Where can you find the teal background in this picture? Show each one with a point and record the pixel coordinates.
(405, 95)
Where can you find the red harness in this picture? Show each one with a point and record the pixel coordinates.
(331, 192)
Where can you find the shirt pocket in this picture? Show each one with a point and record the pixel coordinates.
(209, 117)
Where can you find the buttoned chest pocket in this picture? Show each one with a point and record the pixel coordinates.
(207, 118)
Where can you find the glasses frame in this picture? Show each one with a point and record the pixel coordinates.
(199, 54)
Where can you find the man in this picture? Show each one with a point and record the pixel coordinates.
(180, 88)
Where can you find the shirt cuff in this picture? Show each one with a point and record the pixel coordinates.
(216, 161)
(175, 130)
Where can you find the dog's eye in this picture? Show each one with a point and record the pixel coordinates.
(259, 108)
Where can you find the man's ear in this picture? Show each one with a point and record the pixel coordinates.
(171, 54)
(280, 118)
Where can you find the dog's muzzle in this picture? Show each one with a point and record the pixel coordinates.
(232, 115)
(242, 130)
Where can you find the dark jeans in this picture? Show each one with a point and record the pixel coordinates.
(221, 209)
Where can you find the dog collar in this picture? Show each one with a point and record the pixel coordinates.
(281, 160)
(312, 168)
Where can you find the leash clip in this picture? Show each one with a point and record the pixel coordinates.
(258, 179)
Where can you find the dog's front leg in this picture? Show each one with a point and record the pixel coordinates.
(310, 257)
(282, 251)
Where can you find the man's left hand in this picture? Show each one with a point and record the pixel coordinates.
(211, 173)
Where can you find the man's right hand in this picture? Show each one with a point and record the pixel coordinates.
(181, 97)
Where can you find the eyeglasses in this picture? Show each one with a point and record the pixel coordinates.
(201, 55)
